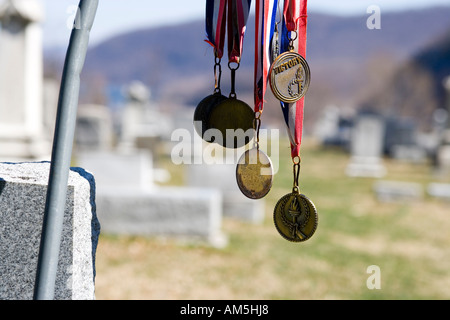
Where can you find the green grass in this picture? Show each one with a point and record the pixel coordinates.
(408, 241)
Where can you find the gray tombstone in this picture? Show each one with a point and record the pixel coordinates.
(443, 150)
(398, 191)
(142, 125)
(367, 147)
(23, 190)
(439, 190)
(94, 129)
(130, 203)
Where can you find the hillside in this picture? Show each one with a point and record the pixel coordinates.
(416, 89)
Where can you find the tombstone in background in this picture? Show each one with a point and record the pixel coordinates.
(142, 125)
(398, 191)
(128, 200)
(132, 170)
(191, 214)
(401, 140)
(367, 146)
(222, 177)
(94, 128)
(443, 150)
(334, 126)
(22, 134)
(446, 84)
(439, 190)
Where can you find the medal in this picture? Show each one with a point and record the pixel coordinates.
(295, 216)
(254, 172)
(289, 77)
(233, 118)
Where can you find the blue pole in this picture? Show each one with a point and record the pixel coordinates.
(62, 152)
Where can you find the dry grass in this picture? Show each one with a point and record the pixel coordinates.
(408, 241)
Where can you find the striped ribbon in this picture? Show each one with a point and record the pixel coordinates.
(265, 17)
(295, 19)
(218, 23)
(238, 12)
(215, 25)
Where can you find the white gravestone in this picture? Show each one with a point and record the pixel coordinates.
(21, 81)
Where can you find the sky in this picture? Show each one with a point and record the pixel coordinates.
(119, 16)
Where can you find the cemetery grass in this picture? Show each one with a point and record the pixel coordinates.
(407, 241)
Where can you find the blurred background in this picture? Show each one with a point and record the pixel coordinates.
(375, 157)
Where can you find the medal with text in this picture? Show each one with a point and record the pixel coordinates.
(290, 77)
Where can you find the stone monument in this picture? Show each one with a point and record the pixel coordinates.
(21, 81)
(367, 146)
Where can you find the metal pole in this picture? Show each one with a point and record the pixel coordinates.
(62, 152)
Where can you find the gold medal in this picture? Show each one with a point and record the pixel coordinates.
(233, 118)
(254, 174)
(290, 77)
(295, 217)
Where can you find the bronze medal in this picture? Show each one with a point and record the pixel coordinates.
(202, 112)
(254, 174)
(290, 77)
(295, 217)
(233, 118)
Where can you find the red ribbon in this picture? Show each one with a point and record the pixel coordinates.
(296, 19)
(264, 29)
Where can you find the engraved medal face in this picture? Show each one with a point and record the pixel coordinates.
(201, 114)
(289, 77)
(233, 119)
(254, 174)
(295, 217)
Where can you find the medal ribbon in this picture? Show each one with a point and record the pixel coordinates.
(265, 17)
(215, 25)
(238, 12)
(295, 21)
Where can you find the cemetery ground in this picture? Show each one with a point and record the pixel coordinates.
(408, 241)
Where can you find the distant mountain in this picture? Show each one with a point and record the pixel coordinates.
(348, 61)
